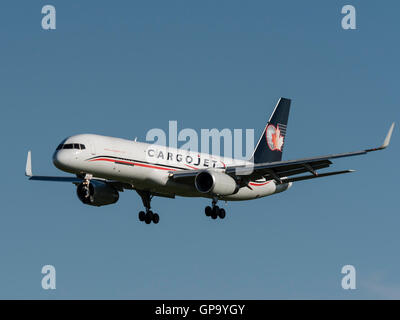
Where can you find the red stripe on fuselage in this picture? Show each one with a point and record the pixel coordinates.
(194, 168)
(259, 184)
(134, 163)
(255, 184)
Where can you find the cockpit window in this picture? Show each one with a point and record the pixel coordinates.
(77, 146)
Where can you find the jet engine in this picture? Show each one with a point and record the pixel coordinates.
(215, 182)
(97, 193)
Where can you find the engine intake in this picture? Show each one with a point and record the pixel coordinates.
(97, 193)
(215, 182)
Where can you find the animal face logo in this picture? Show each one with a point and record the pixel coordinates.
(274, 137)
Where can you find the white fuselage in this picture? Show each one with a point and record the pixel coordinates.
(148, 166)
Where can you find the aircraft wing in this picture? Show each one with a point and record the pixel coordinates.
(59, 179)
(281, 170)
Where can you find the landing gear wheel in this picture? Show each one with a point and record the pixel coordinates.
(156, 218)
(142, 216)
(149, 216)
(147, 219)
(214, 212)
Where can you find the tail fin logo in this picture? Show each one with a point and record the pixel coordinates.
(274, 138)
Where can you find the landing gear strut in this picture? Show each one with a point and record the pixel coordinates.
(85, 185)
(214, 212)
(147, 216)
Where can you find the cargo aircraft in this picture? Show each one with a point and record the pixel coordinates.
(105, 166)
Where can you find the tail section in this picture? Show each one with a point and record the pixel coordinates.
(270, 145)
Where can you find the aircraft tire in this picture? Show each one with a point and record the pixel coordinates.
(142, 216)
(214, 212)
(156, 218)
(149, 217)
(221, 213)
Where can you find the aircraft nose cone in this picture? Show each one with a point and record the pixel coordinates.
(59, 159)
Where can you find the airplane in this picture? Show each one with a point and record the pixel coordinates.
(105, 166)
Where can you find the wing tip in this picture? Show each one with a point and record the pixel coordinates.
(28, 167)
(386, 142)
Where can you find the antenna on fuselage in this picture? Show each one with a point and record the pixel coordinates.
(135, 139)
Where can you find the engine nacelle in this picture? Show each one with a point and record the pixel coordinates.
(97, 193)
(217, 183)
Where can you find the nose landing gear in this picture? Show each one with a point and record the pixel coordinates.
(214, 212)
(148, 216)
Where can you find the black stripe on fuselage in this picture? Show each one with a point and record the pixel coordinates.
(132, 160)
(124, 163)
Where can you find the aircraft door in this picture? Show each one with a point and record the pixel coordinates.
(92, 148)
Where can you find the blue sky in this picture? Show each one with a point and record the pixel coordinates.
(121, 68)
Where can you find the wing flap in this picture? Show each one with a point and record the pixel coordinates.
(327, 174)
(290, 170)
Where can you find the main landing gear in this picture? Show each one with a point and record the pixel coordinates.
(214, 212)
(148, 216)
